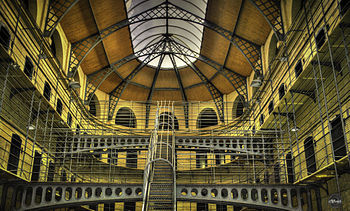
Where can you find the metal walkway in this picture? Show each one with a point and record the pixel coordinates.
(36, 196)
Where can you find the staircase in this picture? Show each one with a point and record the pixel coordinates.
(159, 178)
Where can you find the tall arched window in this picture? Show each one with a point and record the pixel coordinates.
(165, 121)
(310, 158)
(56, 47)
(77, 79)
(238, 108)
(297, 6)
(207, 117)
(290, 171)
(31, 7)
(29, 67)
(272, 49)
(338, 139)
(125, 117)
(93, 105)
(5, 36)
(47, 91)
(59, 106)
(15, 151)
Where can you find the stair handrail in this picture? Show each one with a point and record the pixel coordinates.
(150, 157)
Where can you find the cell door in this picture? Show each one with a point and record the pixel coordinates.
(36, 166)
(338, 140)
(15, 152)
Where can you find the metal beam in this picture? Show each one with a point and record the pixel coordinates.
(82, 48)
(55, 13)
(97, 143)
(271, 10)
(116, 93)
(183, 94)
(94, 81)
(151, 91)
(213, 90)
(48, 195)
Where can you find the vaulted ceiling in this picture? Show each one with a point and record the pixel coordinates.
(89, 18)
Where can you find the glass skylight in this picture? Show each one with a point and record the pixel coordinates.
(149, 32)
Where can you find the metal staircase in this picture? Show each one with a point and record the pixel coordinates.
(159, 176)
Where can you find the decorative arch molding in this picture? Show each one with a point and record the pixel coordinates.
(80, 49)
(237, 108)
(57, 47)
(94, 106)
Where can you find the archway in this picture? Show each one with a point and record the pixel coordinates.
(206, 118)
(125, 117)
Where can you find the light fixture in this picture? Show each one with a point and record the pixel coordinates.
(74, 85)
(70, 74)
(31, 127)
(256, 83)
(283, 58)
(42, 56)
(294, 129)
(16, 66)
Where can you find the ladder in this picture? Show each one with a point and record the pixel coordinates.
(159, 174)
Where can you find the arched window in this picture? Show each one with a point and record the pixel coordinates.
(47, 91)
(297, 6)
(28, 68)
(15, 151)
(77, 79)
(69, 119)
(56, 48)
(125, 117)
(36, 166)
(165, 121)
(93, 105)
(5, 36)
(310, 158)
(272, 49)
(238, 108)
(207, 117)
(31, 7)
(281, 91)
(59, 106)
(338, 140)
(290, 171)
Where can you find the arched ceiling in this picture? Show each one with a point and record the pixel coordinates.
(89, 17)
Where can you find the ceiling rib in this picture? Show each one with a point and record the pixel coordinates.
(99, 32)
(271, 10)
(57, 10)
(151, 91)
(215, 93)
(183, 93)
(81, 49)
(237, 81)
